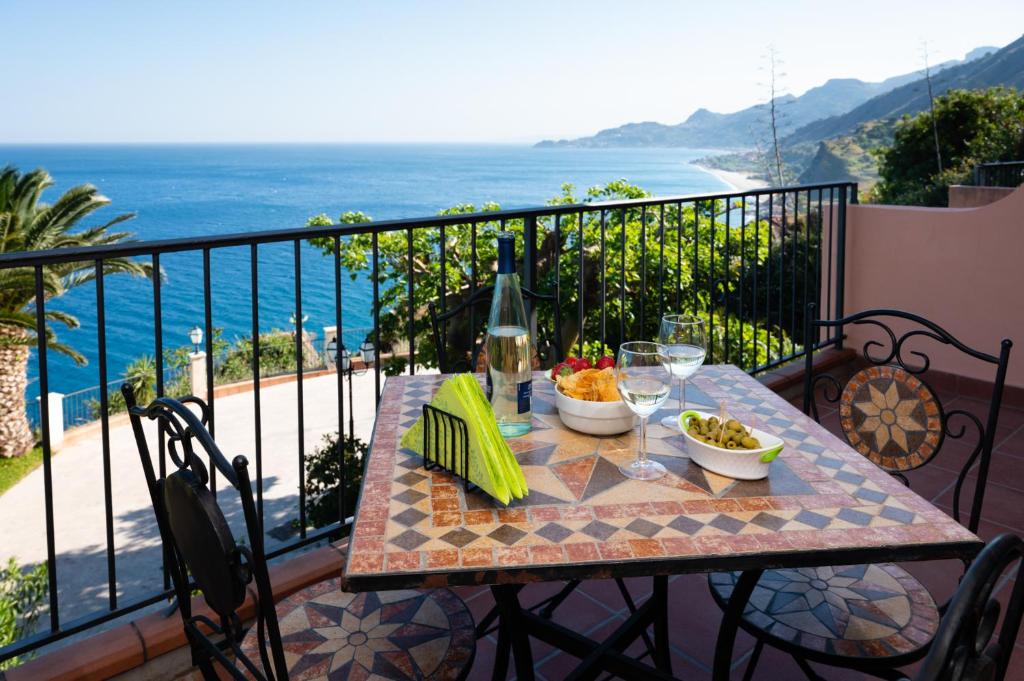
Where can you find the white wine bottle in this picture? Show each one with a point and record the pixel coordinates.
(509, 348)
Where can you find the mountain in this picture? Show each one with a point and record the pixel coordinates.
(847, 157)
(745, 128)
(1001, 67)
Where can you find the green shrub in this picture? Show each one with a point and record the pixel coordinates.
(21, 597)
(323, 477)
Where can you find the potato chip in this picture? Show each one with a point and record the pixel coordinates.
(593, 385)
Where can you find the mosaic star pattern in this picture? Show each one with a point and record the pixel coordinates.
(850, 611)
(397, 635)
(582, 518)
(892, 417)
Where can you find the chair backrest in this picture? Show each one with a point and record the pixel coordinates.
(199, 549)
(965, 646)
(459, 349)
(890, 414)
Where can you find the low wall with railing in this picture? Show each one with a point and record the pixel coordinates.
(961, 268)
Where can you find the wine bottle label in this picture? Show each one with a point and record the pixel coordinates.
(524, 393)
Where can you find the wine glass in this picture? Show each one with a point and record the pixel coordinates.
(685, 347)
(644, 386)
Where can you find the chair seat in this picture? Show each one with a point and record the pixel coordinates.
(330, 634)
(876, 612)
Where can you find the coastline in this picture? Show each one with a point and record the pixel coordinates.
(738, 182)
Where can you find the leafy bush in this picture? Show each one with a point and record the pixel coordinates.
(973, 126)
(277, 356)
(643, 247)
(21, 597)
(324, 469)
(232, 363)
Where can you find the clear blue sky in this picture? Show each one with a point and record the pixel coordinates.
(441, 71)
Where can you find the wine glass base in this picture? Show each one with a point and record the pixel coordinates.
(643, 470)
(671, 422)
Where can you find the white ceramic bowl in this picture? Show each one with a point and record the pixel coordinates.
(594, 418)
(741, 464)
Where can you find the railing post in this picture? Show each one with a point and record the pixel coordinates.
(841, 261)
(530, 268)
(197, 375)
(55, 403)
(976, 175)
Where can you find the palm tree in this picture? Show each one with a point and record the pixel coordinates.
(28, 225)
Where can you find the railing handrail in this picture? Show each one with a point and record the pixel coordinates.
(996, 164)
(133, 248)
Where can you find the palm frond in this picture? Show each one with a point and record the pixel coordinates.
(68, 320)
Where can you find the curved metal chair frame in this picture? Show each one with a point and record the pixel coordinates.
(198, 542)
(895, 352)
(963, 648)
(439, 321)
(954, 425)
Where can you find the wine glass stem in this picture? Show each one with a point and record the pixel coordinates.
(641, 455)
(682, 395)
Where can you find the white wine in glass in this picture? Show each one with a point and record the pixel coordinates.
(644, 386)
(685, 348)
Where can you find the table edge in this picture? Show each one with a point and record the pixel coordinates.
(672, 565)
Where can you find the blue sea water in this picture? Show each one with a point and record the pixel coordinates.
(197, 190)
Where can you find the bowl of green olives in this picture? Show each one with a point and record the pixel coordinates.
(728, 447)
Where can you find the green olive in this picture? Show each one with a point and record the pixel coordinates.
(731, 444)
(750, 443)
(733, 424)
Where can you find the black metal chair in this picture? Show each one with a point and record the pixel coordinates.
(964, 648)
(396, 635)
(467, 343)
(873, 618)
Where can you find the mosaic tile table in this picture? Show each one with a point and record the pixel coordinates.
(822, 504)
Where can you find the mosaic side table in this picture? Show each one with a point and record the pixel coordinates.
(822, 504)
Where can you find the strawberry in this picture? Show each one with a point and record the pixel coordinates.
(605, 362)
(573, 363)
(583, 363)
(561, 369)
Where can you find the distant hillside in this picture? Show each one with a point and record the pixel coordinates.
(1002, 67)
(848, 157)
(742, 129)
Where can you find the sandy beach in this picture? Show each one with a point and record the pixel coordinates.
(738, 181)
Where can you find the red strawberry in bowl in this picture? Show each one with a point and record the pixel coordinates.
(561, 369)
(605, 362)
(583, 363)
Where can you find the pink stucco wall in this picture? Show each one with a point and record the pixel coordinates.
(963, 268)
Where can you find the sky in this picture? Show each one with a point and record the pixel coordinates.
(441, 71)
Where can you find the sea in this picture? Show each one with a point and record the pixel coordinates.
(181, 191)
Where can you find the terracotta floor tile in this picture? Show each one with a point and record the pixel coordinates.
(1008, 416)
(1002, 505)
(1012, 444)
(582, 612)
(930, 481)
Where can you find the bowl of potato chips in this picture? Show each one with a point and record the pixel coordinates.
(589, 401)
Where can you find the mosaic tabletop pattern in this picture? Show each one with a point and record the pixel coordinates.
(821, 503)
(399, 635)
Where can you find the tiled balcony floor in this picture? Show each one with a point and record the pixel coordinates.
(596, 608)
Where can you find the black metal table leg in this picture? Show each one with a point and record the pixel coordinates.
(731, 622)
(501, 654)
(662, 653)
(511, 613)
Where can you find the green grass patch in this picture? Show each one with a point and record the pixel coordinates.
(14, 469)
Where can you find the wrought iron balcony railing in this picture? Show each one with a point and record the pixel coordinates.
(748, 261)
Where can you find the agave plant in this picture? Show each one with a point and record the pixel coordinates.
(28, 225)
